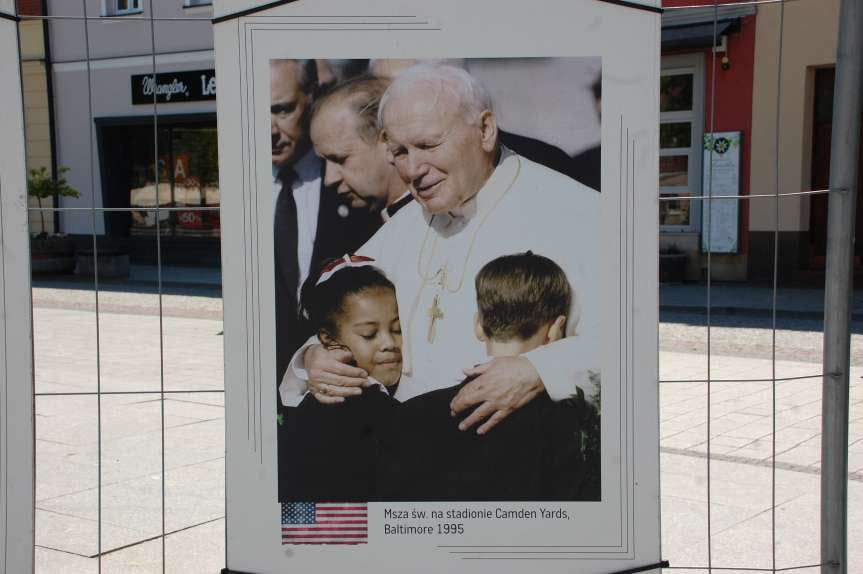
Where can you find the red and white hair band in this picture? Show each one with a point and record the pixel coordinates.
(344, 262)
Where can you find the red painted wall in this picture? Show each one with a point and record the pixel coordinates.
(733, 96)
(30, 7)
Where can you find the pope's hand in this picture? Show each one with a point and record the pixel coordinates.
(331, 376)
(504, 384)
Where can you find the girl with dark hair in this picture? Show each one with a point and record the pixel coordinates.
(330, 451)
(352, 305)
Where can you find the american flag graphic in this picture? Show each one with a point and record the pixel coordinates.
(325, 523)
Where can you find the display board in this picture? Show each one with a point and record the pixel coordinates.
(437, 358)
(720, 221)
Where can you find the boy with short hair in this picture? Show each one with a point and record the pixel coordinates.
(522, 302)
(536, 452)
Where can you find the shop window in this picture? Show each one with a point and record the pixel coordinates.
(675, 92)
(674, 171)
(674, 212)
(680, 135)
(675, 135)
(188, 179)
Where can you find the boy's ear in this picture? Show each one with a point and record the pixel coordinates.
(557, 330)
(477, 328)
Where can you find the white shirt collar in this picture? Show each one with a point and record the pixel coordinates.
(308, 168)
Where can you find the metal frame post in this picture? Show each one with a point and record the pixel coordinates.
(838, 288)
(17, 484)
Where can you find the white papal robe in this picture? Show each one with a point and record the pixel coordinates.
(523, 206)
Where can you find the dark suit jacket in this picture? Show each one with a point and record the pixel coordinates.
(373, 448)
(332, 450)
(533, 454)
(539, 151)
(584, 168)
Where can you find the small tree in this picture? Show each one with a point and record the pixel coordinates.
(41, 185)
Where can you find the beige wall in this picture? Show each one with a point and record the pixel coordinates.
(809, 41)
(36, 118)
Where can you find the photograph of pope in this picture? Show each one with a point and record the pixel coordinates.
(436, 229)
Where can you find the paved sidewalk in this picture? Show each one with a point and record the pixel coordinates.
(741, 468)
(67, 427)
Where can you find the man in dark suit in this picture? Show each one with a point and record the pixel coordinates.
(311, 222)
(346, 136)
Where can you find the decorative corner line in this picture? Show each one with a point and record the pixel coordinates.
(12, 17)
(249, 12)
(663, 564)
(637, 6)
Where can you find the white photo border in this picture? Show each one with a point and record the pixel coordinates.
(629, 203)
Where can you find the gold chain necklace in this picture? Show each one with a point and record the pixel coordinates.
(441, 273)
(435, 312)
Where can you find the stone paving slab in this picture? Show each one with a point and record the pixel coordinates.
(741, 441)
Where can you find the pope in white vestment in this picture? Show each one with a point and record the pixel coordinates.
(433, 254)
(523, 206)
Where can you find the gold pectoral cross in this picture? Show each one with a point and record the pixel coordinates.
(435, 313)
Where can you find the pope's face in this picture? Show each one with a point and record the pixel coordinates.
(369, 326)
(443, 158)
(288, 106)
(358, 168)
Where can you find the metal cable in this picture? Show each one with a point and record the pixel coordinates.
(159, 268)
(776, 288)
(127, 209)
(725, 4)
(96, 291)
(744, 569)
(717, 197)
(713, 83)
(772, 379)
(90, 393)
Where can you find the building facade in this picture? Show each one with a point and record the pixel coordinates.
(755, 90)
(120, 157)
(704, 91)
(805, 113)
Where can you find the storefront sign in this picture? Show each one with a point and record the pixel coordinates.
(173, 87)
(721, 179)
(547, 454)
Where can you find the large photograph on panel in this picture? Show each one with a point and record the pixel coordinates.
(437, 267)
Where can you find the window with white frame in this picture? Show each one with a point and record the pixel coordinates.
(680, 135)
(120, 7)
(192, 3)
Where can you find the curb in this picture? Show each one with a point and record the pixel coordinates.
(752, 312)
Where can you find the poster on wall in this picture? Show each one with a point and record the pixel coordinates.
(721, 178)
(431, 253)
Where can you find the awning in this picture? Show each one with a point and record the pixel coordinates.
(694, 35)
(694, 27)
